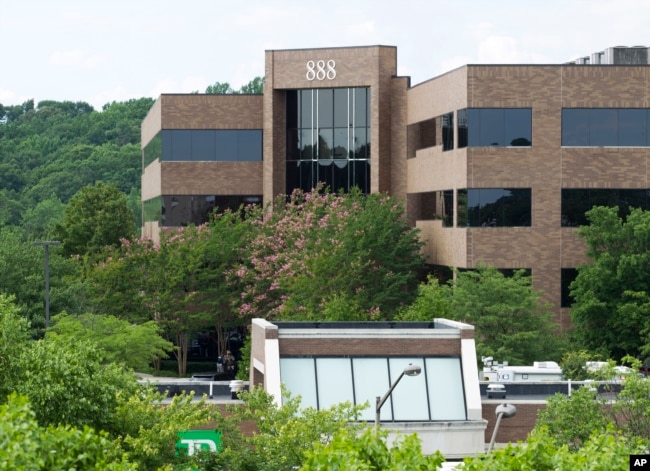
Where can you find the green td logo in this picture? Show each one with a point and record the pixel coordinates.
(194, 441)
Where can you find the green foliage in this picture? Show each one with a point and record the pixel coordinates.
(13, 340)
(574, 364)
(611, 298)
(97, 217)
(148, 429)
(27, 446)
(285, 433)
(602, 451)
(134, 345)
(631, 407)
(40, 221)
(511, 322)
(559, 417)
(348, 449)
(318, 250)
(255, 86)
(433, 300)
(68, 383)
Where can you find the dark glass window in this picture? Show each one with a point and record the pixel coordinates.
(447, 125)
(567, 277)
(326, 138)
(183, 210)
(208, 145)
(181, 145)
(496, 207)
(577, 201)
(437, 131)
(226, 142)
(448, 208)
(152, 209)
(462, 128)
(632, 126)
(249, 145)
(152, 151)
(605, 127)
(203, 146)
(500, 127)
(575, 127)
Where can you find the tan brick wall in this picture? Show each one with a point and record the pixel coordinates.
(211, 111)
(373, 66)
(369, 346)
(208, 178)
(546, 167)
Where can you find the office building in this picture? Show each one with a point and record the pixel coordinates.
(496, 164)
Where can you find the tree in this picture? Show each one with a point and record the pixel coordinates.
(40, 221)
(14, 335)
(255, 86)
(433, 300)
(559, 418)
(348, 449)
(70, 383)
(134, 345)
(22, 275)
(602, 451)
(611, 298)
(97, 217)
(318, 248)
(27, 445)
(285, 432)
(219, 88)
(511, 322)
(148, 430)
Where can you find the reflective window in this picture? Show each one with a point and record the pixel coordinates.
(210, 145)
(430, 133)
(496, 127)
(567, 277)
(183, 210)
(299, 377)
(327, 139)
(323, 382)
(152, 209)
(494, 207)
(334, 371)
(577, 201)
(605, 127)
(152, 151)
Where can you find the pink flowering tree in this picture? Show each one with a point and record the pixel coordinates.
(321, 256)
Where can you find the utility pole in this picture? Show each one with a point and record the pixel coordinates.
(47, 244)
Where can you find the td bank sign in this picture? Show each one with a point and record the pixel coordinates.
(195, 441)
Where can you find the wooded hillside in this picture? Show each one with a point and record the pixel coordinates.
(50, 151)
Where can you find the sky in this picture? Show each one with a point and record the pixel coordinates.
(100, 51)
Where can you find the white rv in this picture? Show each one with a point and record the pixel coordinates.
(505, 373)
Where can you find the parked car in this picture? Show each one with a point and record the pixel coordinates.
(496, 391)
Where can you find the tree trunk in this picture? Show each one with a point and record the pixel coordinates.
(182, 342)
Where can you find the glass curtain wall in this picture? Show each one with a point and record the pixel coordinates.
(328, 139)
(325, 381)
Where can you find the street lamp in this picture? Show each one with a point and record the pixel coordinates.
(410, 370)
(47, 244)
(502, 410)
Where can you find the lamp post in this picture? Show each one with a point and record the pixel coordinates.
(410, 370)
(502, 410)
(47, 244)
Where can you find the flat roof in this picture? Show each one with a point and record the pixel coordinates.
(356, 325)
